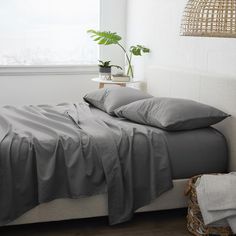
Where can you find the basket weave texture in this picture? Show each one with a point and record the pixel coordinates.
(195, 222)
(209, 18)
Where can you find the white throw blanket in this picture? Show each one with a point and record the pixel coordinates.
(217, 199)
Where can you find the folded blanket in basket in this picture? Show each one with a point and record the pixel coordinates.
(216, 197)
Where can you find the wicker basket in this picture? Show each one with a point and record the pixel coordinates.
(195, 222)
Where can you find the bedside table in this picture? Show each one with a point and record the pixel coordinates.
(103, 82)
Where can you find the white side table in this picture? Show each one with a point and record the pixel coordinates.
(103, 82)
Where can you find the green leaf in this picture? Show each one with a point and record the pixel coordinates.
(107, 64)
(104, 63)
(135, 50)
(138, 50)
(104, 37)
(96, 39)
(102, 41)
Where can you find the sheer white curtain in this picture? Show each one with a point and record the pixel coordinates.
(48, 32)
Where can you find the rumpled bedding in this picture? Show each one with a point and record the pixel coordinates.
(64, 151)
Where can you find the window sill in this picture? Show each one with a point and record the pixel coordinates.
(48, 70)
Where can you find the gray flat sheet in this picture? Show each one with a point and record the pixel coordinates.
(49, 152)
(191, 153)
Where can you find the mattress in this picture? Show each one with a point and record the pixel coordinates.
(193, 152)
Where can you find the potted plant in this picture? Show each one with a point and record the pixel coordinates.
(105, 69)
(109, 38)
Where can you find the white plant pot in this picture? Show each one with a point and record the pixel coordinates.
(105, 73)
(105, 76)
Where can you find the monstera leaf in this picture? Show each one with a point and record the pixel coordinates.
(138, 50)
(104, 37)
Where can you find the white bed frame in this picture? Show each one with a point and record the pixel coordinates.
(215, 90)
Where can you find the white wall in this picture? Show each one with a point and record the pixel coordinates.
(156, 24)
(59, 84)
(113, 18)
(41, 89)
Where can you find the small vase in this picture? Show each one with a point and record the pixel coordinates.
(129, 71)
(105, 73)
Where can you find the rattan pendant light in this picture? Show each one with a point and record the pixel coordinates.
(209, 18)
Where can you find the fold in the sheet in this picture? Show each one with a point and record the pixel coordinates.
(50, 152)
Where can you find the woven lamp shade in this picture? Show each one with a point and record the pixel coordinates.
(209, 18)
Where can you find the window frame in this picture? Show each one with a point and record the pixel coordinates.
(48, 70)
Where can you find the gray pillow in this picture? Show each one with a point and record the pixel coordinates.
(171, 114)
(109, 99)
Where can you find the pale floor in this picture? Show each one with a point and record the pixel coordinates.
(164, 223)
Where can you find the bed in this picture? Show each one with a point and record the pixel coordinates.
(97, 205)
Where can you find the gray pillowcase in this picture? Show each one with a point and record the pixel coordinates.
(171, 114)
(109, 99)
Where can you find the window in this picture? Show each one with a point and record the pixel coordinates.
(48, 32)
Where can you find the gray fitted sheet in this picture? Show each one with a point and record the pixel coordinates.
(192, 152)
